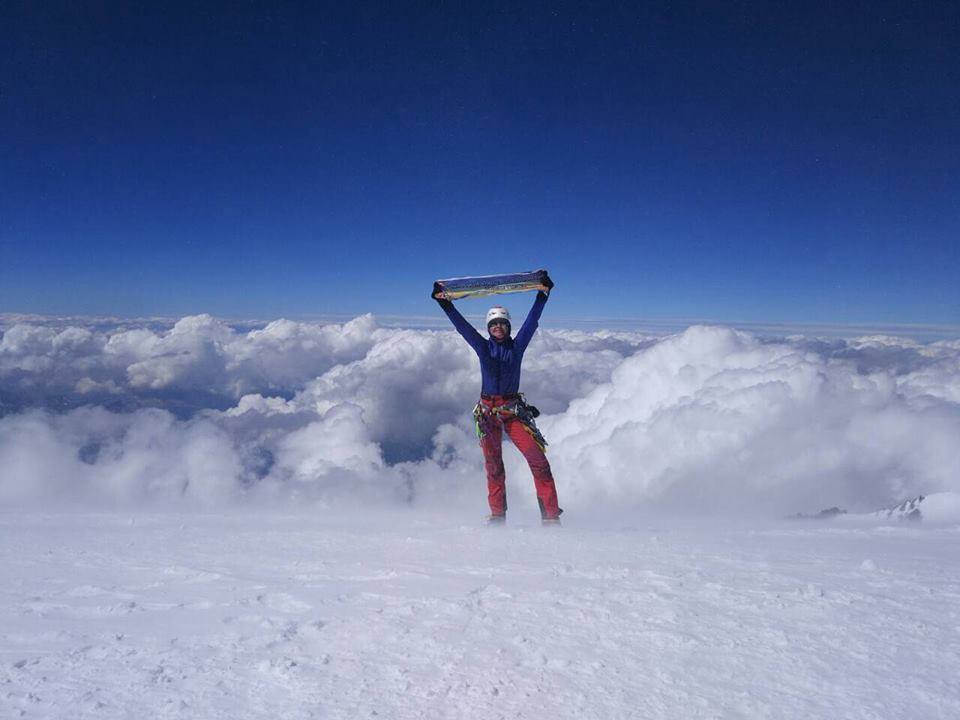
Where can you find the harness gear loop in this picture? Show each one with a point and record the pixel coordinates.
(516, 407)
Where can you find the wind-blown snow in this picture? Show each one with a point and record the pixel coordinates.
(249, 616)
(709, 419)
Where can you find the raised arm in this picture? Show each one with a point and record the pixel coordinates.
(525, 334)
(467, 331)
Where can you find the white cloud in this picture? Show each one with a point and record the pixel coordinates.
(91, 454)
(199, 362)
(710, 418)
(717, 419)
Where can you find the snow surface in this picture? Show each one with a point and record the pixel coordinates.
(411, 615)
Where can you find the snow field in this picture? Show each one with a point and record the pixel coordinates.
(408, 615)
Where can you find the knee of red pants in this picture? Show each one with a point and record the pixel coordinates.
(495, 470)
(539, 465)
(534, 455)
(492, 455)
(493, 462)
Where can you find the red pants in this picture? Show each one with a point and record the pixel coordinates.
(491, 443)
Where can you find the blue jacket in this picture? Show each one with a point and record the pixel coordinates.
(499, 361)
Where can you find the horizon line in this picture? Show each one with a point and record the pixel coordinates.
(637, 324)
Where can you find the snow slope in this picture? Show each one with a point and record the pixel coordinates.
(407, 615)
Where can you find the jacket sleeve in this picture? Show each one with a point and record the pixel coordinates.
(530, 325)
(466, 330)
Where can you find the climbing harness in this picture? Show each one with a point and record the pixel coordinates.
(516, 407)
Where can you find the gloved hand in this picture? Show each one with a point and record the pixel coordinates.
(437, 289)
(547, 282)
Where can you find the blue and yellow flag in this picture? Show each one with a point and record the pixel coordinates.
(456, 288)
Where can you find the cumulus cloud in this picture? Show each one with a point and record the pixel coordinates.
(91, 454)
(204, 412)
(197, 363)
(715, 418)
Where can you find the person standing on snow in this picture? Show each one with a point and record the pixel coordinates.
(502, 408)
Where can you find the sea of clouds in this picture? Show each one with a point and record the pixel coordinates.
(205, 413)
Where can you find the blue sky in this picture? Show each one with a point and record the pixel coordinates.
(745, 162)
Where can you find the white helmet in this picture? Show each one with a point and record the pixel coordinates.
(497, 313)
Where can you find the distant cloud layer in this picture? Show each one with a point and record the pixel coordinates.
(206, 413)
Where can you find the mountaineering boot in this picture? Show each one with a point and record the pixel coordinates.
(551, 521)
(491, 520)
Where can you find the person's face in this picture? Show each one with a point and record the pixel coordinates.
(498, 330)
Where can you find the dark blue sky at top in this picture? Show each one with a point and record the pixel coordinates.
(726, 161)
